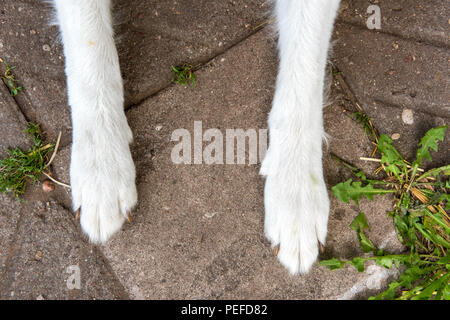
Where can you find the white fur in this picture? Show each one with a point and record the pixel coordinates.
(296, 199)
(102, 172)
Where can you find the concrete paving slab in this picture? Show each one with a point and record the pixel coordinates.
(46, 253)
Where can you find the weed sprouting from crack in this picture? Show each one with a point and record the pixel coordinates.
(10, 80)
(366, 123)
(22, 166)
(183, 75)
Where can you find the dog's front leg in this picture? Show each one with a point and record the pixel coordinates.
(102, 172)
(296, 200)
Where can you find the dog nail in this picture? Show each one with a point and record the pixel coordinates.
(321, 248)
(276, 249)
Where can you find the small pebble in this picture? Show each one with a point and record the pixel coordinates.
(209, 215)
(395, 136)
(46, 47)
(48, 186)
(38, 255)
(407, 116)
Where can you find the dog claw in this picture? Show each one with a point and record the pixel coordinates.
(77, 215)
(276, 249)
(129, 217)
(321, 248)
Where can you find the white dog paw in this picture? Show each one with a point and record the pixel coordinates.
(297, 207)
(103, 186)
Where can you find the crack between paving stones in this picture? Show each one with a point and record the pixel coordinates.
(7, 275)
(19, 107)
(433, 43)
(201, 64)
(118, 289)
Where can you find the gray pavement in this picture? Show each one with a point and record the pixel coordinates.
(197, 231)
